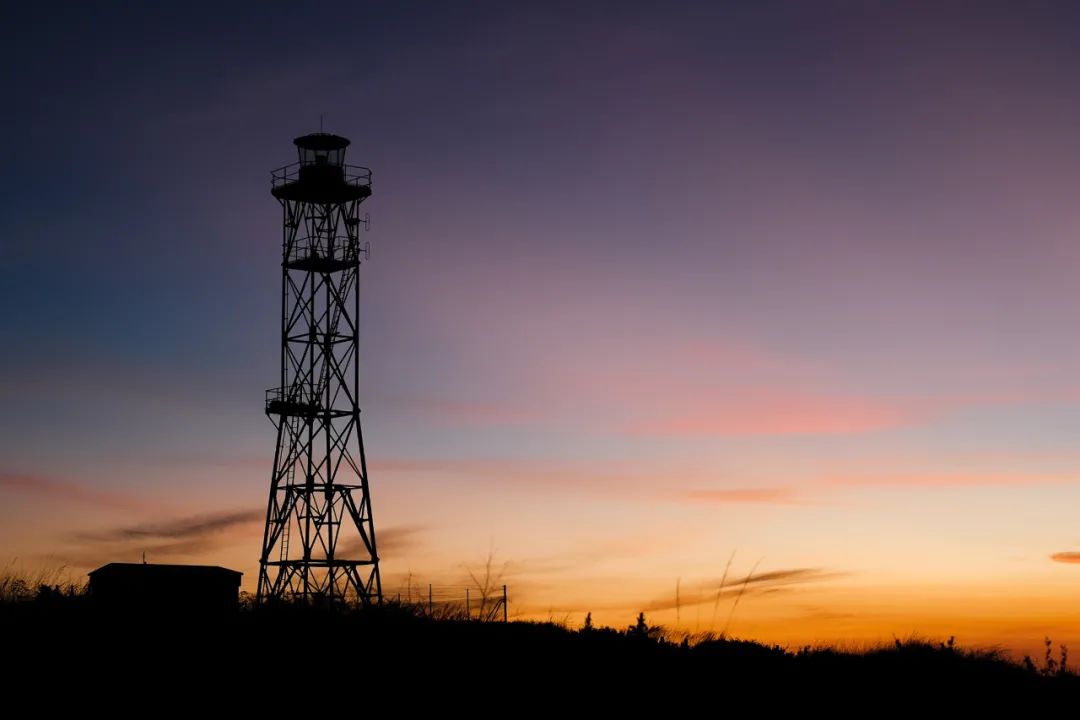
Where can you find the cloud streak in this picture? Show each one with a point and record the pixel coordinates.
(775, 495)
(189, 536)
(56, 488)
(936, 480)
(675, 388)
(390, 540)
(187, 528)
(1069, 557)
(777, 412)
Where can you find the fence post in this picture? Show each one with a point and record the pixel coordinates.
(468, 616)
(429, 610)
(504, 603)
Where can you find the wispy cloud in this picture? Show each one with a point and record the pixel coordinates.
(1066, 557)
(471, 413)
(679, 388)
(933, 480)
(690, 399)
(778, 412)
(190, 537)
(60, 489)
(625, 476)
(777, 495)
(186, 528)
(392, 540)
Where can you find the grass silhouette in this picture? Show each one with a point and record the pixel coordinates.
(59, 629)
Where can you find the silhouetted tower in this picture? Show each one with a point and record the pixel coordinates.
(319, 542)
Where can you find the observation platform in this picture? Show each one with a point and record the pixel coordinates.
(291, 401)
(321, 175)
(300, 401)
(323, 184)
(318, 257)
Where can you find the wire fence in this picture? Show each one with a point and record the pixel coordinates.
(455, 602)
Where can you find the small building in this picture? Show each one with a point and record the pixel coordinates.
(188, 589)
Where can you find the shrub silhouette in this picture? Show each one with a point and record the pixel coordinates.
(1050, 666)
(398, 633)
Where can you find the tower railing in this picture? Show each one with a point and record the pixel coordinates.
(354, 175)
(298, 399)
(340, 249)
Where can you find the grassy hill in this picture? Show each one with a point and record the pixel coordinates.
(393, 648)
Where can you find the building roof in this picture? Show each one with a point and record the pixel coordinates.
(321, 141)
(176, 570)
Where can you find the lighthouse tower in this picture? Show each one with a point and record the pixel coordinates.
(319, 541)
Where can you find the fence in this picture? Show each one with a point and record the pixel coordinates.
(456, 602)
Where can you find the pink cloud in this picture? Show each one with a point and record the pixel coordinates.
(931, 480)
(740, 495)
(732, 388)
(772, 412)
(627, 480)
(64, 490)
(681, 483)
(624, 479)
(504, 469)
(689, 412)
(472, 413)
(677, 388)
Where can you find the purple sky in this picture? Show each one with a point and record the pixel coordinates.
(649, 283)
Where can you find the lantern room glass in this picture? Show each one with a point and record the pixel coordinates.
(334, 157)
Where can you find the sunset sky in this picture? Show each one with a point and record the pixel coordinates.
(651, 284)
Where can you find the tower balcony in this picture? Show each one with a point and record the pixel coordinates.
(292, 400)
(324, 183)
(322, 256)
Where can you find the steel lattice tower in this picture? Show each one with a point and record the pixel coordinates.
(319, 542)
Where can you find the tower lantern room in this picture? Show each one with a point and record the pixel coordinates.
(321, 149)
(321, 175)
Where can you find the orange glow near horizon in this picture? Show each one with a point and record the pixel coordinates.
(786, 280)
(673, 573)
